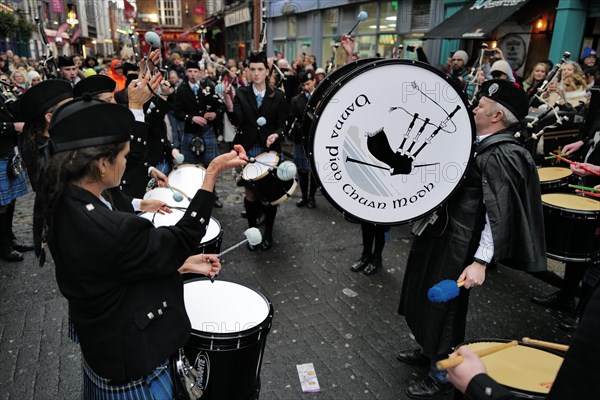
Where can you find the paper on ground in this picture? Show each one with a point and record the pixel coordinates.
(308, 378)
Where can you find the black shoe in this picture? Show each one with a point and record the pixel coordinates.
(301, 203)
(266, 244)
(250, 247)
(360, 264)
(373, 267)
(413, 357)
(569, 323)
(427, 388)
(7, 253)
(20, 245)
(218, 204)
(311, 203)
(557, 301)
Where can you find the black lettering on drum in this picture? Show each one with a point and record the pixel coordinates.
(351, 192)
(403, 202)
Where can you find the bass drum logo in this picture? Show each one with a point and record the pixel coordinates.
(202, 366)
(391, 141)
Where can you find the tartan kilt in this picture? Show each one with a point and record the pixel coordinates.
(255, 150)
(211, 147)
(156, 385)
(11, 187)
(300, 158)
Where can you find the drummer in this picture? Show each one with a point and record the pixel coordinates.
(250, 103)
(494, 213)
(120, 275)
(576, 379)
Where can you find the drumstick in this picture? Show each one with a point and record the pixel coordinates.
(548, 345)
(454, 361)
(253, 237)
(589, 189)
(362, 16)
(551, 157)
(577, 164)
(588, 193)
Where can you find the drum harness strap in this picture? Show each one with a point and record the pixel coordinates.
(185, 379)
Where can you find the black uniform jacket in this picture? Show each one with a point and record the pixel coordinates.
(119, 274)
(297, 107)
(189, 105)
(158, 146)
(246, 112)
(8, 135)
(136, 178)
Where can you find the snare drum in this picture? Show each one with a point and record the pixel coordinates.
(555, 179)
(528, 371)
(572, 227)
(230, 323)
(187, 178)
(211, 242)
(262, 177)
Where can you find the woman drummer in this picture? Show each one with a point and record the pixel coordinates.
(251, 103)
(120, 275)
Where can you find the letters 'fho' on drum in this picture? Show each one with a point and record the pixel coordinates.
(527, 370)
(230, 323)
(390, 140)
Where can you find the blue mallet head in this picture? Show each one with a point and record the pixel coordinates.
(261, 121)
(443, 291)
(362, 16)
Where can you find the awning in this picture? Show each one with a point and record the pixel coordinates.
(476, 20)
(207, 24)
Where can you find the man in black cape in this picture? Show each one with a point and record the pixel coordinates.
(495, 216)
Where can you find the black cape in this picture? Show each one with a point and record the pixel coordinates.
(503, 181)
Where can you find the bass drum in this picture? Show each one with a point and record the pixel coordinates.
(390, 140)
(319, 93)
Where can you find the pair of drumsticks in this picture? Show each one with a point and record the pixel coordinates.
(454, 361)
(579, 189)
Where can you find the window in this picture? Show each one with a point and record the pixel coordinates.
(420, 15)
(169, 12)
(90, 12)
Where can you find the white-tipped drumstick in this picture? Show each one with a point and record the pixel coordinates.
(362, 16)
(253, 236)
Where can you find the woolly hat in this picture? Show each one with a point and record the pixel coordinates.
(501, 66)
(588, 52)
(462, 55)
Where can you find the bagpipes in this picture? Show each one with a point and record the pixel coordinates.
(49, 63)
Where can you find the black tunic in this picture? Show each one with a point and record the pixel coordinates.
(503, 181)
(119, 274)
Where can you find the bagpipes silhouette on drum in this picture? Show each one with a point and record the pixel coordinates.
(401, 161)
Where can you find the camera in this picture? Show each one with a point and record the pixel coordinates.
(489, 53)
(410, 48)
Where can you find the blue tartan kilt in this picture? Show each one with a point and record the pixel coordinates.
(157, 385)
(11, 187)
(211, 147)
(255, 150)
(300, 159)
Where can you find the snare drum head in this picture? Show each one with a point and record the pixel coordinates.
(166, 195)
(257, 170)
(521, 367)
(223, 307)
(547, 174)
(163, 219)
(571, 202)
(391, 141)
(187, 178)
(213, 230)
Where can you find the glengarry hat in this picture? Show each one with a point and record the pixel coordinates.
(507, 94)
(40, 98)
(94, 85)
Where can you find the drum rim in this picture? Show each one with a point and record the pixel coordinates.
(240, 334)
(520, 343)
(317, 96)
(266, 172)
(358, 70)
(287, 195)
(216, 238)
